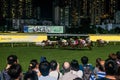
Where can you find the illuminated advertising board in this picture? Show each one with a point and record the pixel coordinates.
(105, 37)
(47, 29)
(22, 38)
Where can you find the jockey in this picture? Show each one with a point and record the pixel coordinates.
(76, 41)
(83, 42)
(101, 41)
(73, 41)
(88, 40)
(64, 41)
(49, 42)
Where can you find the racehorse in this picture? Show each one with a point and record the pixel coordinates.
(83, 43)
(73, 43)
(100, 42)
(63, 43)
(76, 44)
(50, 44)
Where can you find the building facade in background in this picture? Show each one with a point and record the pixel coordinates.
(69, 13)
(16, 8)
(97, 11)
(14, 12)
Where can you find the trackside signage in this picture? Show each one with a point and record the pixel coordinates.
(22, 38)
(105, 37)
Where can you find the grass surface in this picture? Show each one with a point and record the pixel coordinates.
(25, 54)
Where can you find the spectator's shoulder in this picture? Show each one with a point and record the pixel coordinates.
(103, 78)
(91, 66)
(81, 67)
(52, 78)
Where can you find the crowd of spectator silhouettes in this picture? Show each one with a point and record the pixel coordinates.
(108, 69)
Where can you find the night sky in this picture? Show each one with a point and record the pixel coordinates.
(46, 7)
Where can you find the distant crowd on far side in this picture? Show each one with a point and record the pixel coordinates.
(108, 69)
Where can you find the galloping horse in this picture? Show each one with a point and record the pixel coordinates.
(84, 43)
(63, 43)
(50, 44)
(76, 44)
(73, 43)
(100, 42)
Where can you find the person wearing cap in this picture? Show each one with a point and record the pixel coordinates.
(11, 59)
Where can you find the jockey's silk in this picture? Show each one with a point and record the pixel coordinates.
(83, 41)
(76, 41)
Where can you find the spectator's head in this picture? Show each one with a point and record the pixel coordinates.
(84, 60)
(74, 65)
(14, 71)
(12, 59)
(31, 76)
(110, 67)
(66, 67)
(43, 59)
(97, 61)
(101, 65)
(44, 68)
(112, 56)
(53, 65)
(33, 64)
(118, 54)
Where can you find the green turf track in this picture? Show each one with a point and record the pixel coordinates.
(25, 54)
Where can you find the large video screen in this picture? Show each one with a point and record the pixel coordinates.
(47, 29)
